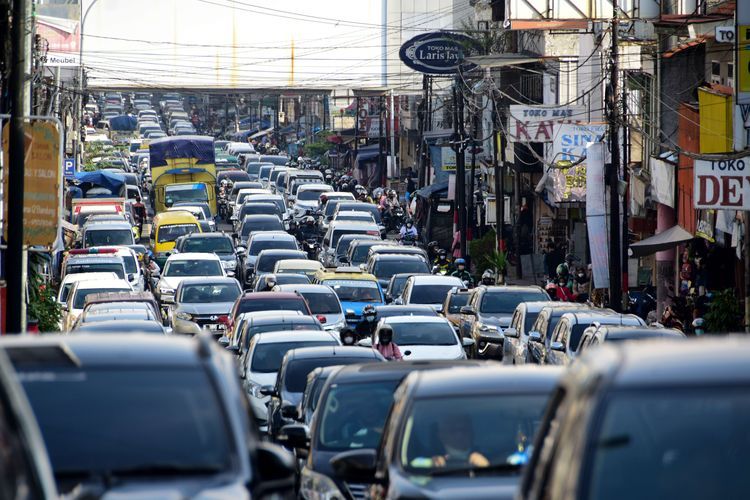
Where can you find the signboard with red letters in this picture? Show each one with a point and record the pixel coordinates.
(722, 184)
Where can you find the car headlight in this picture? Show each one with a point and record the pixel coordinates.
(315, 486)
(254, 390)
(166, 291)
(184, 316)
(229, 264)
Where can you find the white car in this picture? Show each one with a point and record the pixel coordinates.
(263, 360)
(323, 302)
(429, 290)
(71, 279)
(308, 197)
(185, 265)
(423, 337)
(132, 266)
(82, 289)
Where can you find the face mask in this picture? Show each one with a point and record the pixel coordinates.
(408, 226)
(370, 318)
(271, 284)
(348, 340)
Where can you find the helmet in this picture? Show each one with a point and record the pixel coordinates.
(309, 220)
(562, 269)
(344, 187)
(409, 223)
(369, 313)
(488, 277)
(551, 289)
(328, 171)
(347, 336)
(460, 262)
(385, 334)
(270, 280)
(391, 193)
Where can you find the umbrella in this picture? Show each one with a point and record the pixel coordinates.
(663, 241)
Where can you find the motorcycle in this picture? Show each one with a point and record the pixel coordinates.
(408, 240)
(394, 218)
(312, 247)
(225, 211)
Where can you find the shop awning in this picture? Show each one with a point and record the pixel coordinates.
(433, 136)
(367, 153)
(663, 241)
(433, 189)
(261, 133)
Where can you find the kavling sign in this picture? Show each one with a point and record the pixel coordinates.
(722, 184)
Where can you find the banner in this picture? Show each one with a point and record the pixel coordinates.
(569, 184)
(722, 184)
(596, 215)
(42, 178)
(540, 123)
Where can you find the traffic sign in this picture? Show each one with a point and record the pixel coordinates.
(69, 167)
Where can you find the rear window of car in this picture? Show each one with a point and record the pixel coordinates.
(337, 234)
(258, 246)
(266, 262)
(275, 304)
(298, 370)
(385, 269)
(97, 267)
(322, 303)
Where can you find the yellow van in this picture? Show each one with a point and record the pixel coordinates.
(166, 228)
(299, 266)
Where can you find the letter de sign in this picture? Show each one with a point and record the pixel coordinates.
(437, 53)
(722, 184)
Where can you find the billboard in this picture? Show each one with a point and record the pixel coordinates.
(437, 53)
(556, 10)
(722, 184)
(540, 123)
(63, 38)
(570, 142)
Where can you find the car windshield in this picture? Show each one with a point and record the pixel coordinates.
(303, 323)
(266, 262)
(154, 418)
(323, 303)
(298, 370)
(309, 195)
(173, 231)
(270, 224)
(194, 192)
(505, 302)
(429, 294)
(267, 357)
(265, 171)
(355, 290)
(202, 294)
(246, 306)
(431, 333)
(105, 237)
(258, 245)
(352, 415)
(457, 301)
(385, 269)
(449, 433)
(96, 267)
(80, 297)
(700, 454)
(192, 268)
(208, 245)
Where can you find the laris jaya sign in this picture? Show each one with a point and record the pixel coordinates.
(437, 53)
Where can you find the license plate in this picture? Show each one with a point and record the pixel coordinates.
(217, 327)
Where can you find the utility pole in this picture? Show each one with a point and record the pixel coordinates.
(392, 135)
(499, 187)
(422, 121)
(474, 143)
(615, 273)
(458, 135)
(381, 158)
(15, 265)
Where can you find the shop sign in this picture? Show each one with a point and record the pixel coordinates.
(569, 184)
(437, 53)
(722, 184)
(541, 123)
(705, 228)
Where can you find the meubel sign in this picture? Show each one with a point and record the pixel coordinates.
(722, 184)
(437, 53)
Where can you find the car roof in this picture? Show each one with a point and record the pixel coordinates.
(599, 315)
(103, 350)
(93, 258)
(72, 278)
(205, 235)
(399, 258)
(510, 288)
(259, 217)
(416, 319)
(405, 307)
(537, 306)
(301, 263)
(121, 325)
(350, 224)
(294, 336)
(106, 225)
(390, 371)
(485, 380)
(702, 361)
(272, 235)
(102, 283)
(281, 251)
(436, 280)
(270, 295)
(618, 332)
(213, 280)
(332, 351)
(305, 288)
(193, 256)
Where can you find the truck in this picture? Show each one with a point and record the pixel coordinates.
(183, 169)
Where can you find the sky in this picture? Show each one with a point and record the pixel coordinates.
(237, 43)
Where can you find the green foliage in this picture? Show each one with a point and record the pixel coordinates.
(42, 304)
(724, 314)
(484, 254)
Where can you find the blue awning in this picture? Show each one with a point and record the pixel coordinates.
(108, 180)
(366, 153)
(185, 146)
(433, 189)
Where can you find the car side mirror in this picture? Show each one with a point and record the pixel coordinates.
(268, 390)
(467, 342)
(535, 337)
(398, 301)
(294, 435)
(366, 342)
(131, 276)
(363, 267)
(223, 341)
(288, 410)
(557, 346)
(234, 349)
(468, 310)
(355, 466)
(511, 332)
(63, 307)
(277, 471)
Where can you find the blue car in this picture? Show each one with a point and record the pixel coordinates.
(356, 293)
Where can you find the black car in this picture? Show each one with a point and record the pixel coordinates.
(255, 224)
(459, 433)
(267, 259)
(290, 382)
(540, 333)
(316, 380)
(217, 243)
(384, 266)
(359, 250)
(256, 208)
(351, 410)
(138, 415)
(647, 420)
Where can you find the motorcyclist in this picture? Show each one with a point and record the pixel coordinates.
(362, 194)
(441, 262)
(408, 230)
(386, 346)
(307, 230)
(269, 281)
(461, 272)
(366, 326)
(488, 277)
(563, 276)
(139, 213)
(151, 270)
(347, 336)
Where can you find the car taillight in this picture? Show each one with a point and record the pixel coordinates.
(321, 318)
(224, 320)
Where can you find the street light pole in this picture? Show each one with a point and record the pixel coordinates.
(79, 111)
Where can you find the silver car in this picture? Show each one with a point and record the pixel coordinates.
(204, 303)
(324, 304)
